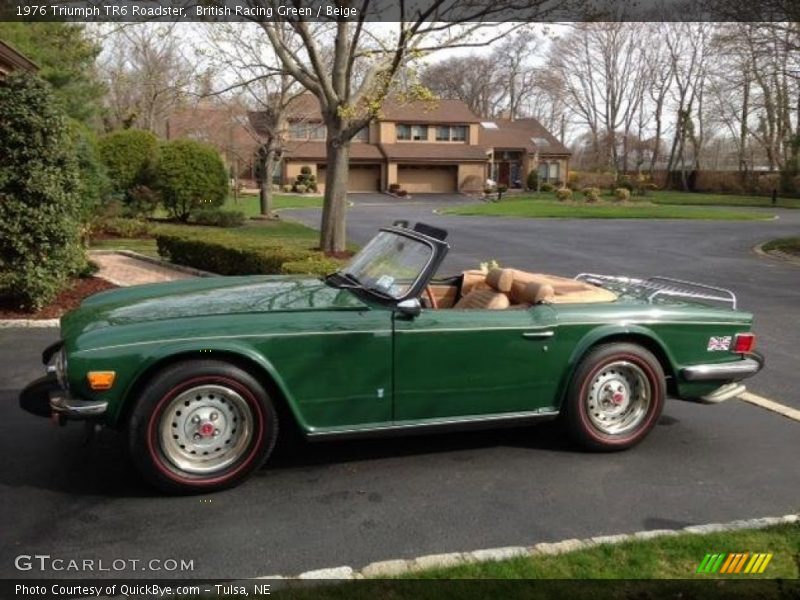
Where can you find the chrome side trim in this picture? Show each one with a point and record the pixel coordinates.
(538, 335)
(732, 371)
(455, 424)
(74, 408)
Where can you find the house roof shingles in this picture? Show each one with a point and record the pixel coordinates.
(519, 134)
(415, 151)
(312, 150)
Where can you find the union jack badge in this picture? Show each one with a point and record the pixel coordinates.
(716, 344)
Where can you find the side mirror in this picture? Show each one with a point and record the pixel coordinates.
(410, 308)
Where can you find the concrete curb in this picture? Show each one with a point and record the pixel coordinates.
(155, 261)
(399, 567)
(776, 254)
(28, 323)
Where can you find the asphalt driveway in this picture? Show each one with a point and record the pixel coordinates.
(354, 502)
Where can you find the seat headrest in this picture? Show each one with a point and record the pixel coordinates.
(535, 293)
(501, 279)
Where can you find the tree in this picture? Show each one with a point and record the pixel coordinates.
(66, 57)
(148, 74)
(350, 68)
(264, 87)
(190, 175)
(39, 206)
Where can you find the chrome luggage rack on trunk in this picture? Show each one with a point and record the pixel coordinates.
(663, 286)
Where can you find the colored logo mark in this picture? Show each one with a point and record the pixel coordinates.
(731, 563)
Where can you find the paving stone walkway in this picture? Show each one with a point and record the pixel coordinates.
(124, 270)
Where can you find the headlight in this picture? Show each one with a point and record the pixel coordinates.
(59, 367)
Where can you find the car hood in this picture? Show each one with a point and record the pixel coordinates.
(206, 296)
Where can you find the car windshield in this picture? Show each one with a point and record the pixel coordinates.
(389, 264)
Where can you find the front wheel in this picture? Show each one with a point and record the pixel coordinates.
(615, 398)
(201, 426)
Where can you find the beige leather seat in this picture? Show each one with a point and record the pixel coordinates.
(492, 296)
(534, 288)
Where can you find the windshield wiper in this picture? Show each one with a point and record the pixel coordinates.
(356, 284)
(342, 277)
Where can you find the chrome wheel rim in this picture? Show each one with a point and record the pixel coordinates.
(206, 429)
(618, 398)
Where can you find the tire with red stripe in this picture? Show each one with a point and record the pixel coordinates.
(615, 398)
(201, 426)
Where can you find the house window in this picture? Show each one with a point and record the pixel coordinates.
(404, 132)
(458, 133)
(316, 131)
(419, 133)
(554, 172)
(298, 131)
(442, 134)
(543, 171)
(362, 135)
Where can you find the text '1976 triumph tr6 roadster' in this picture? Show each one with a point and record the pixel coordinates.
(200, 373)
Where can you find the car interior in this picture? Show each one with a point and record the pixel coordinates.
(510, 288)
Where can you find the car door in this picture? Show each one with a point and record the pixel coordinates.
(456, 363)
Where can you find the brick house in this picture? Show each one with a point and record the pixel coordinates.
(12, 60)
(424, 147)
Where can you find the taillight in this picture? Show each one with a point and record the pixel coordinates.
(744, 343)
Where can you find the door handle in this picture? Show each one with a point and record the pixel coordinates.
(538, 335)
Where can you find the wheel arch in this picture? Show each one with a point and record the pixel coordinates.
(638, 335)
(249, 361)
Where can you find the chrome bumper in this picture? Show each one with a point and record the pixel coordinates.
(63, 405)
(731, 371)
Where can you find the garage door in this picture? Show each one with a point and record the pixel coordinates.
(428, 179)
(361, 178)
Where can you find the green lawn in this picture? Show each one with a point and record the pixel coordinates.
(790, 245)
(544, 207)
(702, 199)
(141, 245)
(662, 558)
(249, 203)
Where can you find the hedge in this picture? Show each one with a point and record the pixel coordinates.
(229, 255)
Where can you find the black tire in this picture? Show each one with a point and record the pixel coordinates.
(201, 426)
(608, 387)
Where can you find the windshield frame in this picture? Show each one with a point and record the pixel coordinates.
(438, 251)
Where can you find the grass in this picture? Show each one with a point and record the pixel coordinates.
(546, 208)
(249, 203)
(659, 568)
(703, 199)
(672, 557)
(789, 245)
(286, 233)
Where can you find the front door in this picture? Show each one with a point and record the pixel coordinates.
(503, 174)
(454, 362)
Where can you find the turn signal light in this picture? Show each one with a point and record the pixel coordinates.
(100, 380)
(744, 343)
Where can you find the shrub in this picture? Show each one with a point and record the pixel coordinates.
(305, 181)
(300, 188)
(305, 170)
(573, 180)
(624, 182)
(228, 255)
(394, 188)
(563, 194)
(190, 175)
(532, 181)
(130, 158)
(547, 187)
(287, 187)
(622, 194)
(591, 194)
(402, 193)
(126, 228)
(215, 217)
(141, 201)
(318, 265)
(40, 245)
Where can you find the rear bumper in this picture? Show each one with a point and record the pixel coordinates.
(728, 372)
(46, 398)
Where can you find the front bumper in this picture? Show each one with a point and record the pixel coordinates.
(46, 398)
(728, 372)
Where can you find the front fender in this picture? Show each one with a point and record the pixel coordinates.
(148, 360)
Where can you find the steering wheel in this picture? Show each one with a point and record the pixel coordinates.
(431, 297)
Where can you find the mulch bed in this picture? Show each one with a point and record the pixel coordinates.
(67, 300)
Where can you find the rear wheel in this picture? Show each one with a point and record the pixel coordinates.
(201, 426)
(615, 398)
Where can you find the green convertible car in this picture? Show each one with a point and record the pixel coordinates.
(201, 373)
